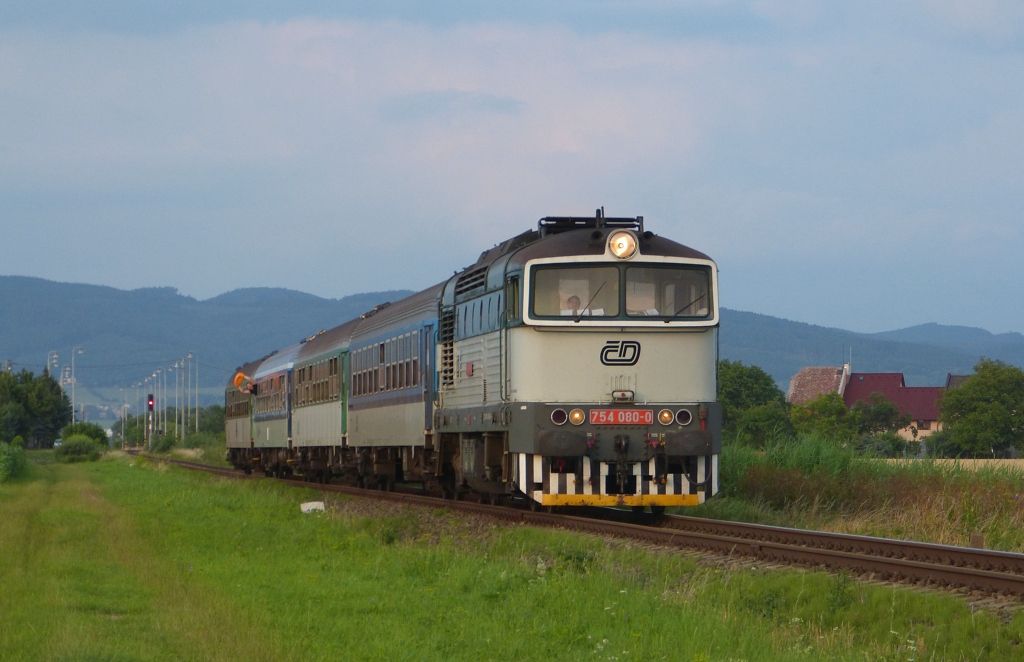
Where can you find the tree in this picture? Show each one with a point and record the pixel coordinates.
(48, 408)
(211, 419)
(826, 416)
(32, 407)
(984, 416)
(741, 387)
(878, 414)
(761, 424)
(12, 419)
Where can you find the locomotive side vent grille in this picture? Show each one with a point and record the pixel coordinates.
(471, 280)
(446, 334)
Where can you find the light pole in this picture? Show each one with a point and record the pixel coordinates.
(77, 349)
(188, 391)
(52, 363)
(197, 395)
(177, 408)
(163, 389)
(139, 409)
(124, 412)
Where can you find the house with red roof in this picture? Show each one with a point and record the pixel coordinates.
(815, 381)
(919, 403)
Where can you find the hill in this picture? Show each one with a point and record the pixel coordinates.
(781, 347)
(128, 334)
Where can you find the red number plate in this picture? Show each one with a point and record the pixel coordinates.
(621, 416)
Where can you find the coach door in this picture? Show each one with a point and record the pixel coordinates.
(426, 373)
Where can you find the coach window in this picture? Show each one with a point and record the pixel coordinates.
(575, 292)
(416, 358)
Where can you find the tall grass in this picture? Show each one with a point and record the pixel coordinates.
(815, 482)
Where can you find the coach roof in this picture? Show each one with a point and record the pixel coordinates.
(329, 341)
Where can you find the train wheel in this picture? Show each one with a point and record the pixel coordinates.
(658, 511)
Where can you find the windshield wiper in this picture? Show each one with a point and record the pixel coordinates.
(676, 314)
(587, 307)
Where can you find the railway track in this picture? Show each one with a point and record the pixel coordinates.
(943, 566)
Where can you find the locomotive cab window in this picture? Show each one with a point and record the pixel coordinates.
(575, 292)
(668, 291)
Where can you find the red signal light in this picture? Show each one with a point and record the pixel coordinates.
(149, 401)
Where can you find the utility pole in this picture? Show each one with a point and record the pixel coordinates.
(74, 351)
(177, 409)
(197, 396)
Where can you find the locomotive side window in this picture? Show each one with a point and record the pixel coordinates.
(512, 299)
(668, 291)
(574, 292)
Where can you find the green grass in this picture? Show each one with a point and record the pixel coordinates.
(123, 559)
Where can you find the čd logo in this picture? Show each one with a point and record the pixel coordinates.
(620, 352)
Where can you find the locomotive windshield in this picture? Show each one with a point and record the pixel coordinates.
(660, 291)
(667, 292)
(576, 292)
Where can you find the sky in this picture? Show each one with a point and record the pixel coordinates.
(854, 165)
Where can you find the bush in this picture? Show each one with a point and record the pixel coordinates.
(884, 444)
(202, 440)
(91, 430)
(79, 448)
(163, 443)
(12, 461)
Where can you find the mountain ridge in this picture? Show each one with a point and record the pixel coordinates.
(128, 333)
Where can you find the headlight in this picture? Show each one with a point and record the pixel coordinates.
(558, 417)
(622, 244)
(684, 417)
(576, 417)
(665, 417)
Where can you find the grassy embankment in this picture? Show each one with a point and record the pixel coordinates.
(813, 483)
(124, 560)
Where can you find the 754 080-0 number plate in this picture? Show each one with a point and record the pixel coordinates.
(621, 416)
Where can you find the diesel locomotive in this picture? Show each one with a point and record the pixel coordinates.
(574, 364)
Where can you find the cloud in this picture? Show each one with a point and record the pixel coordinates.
(454, 105)
(260, 149)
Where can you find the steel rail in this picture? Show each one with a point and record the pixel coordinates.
(968, 557)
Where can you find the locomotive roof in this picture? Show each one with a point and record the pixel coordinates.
(557, 237)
